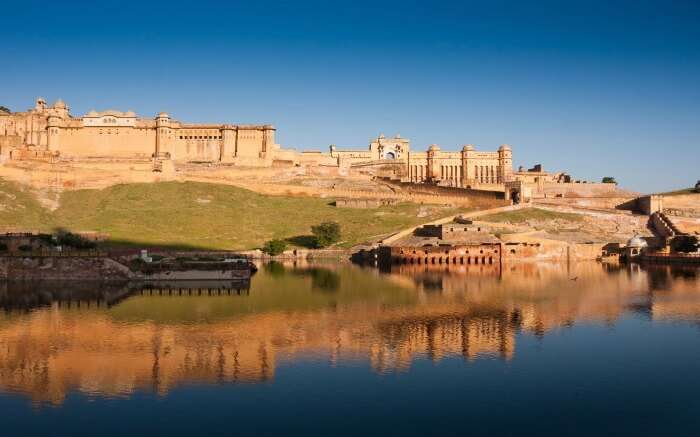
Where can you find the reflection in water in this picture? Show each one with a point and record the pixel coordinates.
(124, 340)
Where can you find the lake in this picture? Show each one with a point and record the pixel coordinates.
(535, 349)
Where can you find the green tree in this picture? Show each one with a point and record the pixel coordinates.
(68, 239)
(275, 247)
(326, 234)
(4, 109)
(609, 180)
(685, 243)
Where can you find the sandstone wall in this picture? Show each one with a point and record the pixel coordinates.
(570, 189)
(121, 142)
(587, 202)
(685, 205)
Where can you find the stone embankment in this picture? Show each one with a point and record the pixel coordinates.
(63, 268)
(301, 254)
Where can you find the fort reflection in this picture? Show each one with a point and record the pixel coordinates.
(334, 314)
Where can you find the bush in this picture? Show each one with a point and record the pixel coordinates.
(274, 247)
(326, 234)
(75, 241)
(3, 247)
(609, 180)
(685, 243)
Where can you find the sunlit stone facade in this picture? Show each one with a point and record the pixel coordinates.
(116, 134)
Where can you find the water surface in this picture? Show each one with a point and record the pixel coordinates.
(542, 349)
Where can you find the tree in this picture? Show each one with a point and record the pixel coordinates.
(685, 243)
(326, 234)
(274, 247)
(4, 109)
(68, 239)
(609, 180)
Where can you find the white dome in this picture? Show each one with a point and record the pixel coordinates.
(636, 241)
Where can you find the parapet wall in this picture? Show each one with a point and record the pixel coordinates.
(481, 198)
(573, 189)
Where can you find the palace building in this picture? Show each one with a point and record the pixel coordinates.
(116, 134)
(51, 133)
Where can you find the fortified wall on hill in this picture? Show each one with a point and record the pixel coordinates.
(51, 133)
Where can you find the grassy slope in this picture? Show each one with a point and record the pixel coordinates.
(521, 216)
(201, 215)
(19, 208)
(680, 192)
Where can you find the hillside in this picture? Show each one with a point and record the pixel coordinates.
(680, 192)
(199, 215)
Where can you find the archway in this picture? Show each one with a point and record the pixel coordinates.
(389, 155)
(515, 196)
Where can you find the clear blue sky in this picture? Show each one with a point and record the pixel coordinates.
(593, 87)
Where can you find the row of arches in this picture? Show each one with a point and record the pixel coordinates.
(446, 259)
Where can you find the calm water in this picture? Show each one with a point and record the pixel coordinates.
(340, 350)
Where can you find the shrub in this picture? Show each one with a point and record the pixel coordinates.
(326, 234)
(75, 241)
(609, 180)
(685, 243)
(274, 247)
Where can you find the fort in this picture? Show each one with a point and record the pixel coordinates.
(50, 134)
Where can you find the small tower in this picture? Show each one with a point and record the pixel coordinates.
(162, 133)
(433, 163)
(60, 108)
(53, 127)
(268, 140)
(468, 175)
(40, 104)
(505, 164)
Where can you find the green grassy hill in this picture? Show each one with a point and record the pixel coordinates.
(198, 215)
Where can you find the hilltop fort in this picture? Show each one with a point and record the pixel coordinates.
(104, 141)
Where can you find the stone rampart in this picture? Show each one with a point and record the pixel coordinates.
(586, 202)
(577, 189)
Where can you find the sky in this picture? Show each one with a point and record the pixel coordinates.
(594, 88)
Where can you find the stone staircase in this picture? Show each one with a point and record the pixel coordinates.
(663, 226)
